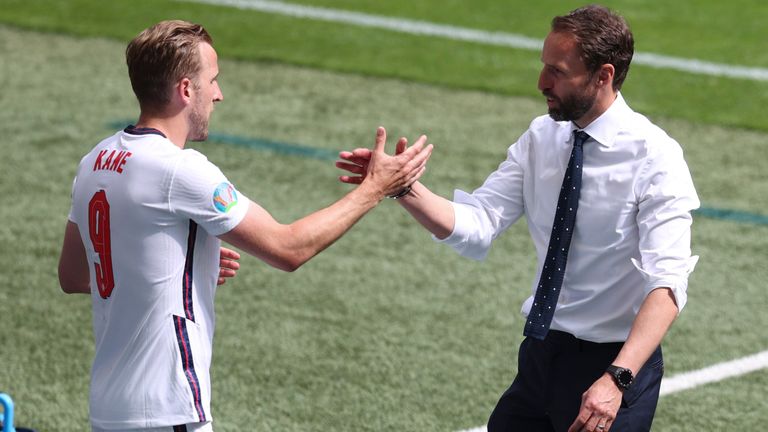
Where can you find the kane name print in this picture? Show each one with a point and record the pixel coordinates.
(113, 162)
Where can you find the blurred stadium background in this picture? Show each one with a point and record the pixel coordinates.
(385, 331)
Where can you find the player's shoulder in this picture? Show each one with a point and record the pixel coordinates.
(108, 142)
(192, 159)
(194, 156)
(194, 166)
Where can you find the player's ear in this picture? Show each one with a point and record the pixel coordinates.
(184, 90)
(605, 74)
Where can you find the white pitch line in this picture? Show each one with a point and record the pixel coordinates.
(707, 375)
(511, 40)
(715, 373)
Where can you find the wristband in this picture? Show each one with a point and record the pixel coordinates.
(401, 194)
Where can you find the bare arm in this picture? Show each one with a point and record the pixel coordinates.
(289, 246)
(656, 315)
(601, 402)
(74, 274)
(432, 211)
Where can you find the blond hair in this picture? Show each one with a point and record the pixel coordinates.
(162, 55)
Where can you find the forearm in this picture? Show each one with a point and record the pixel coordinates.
(656, 315)
(288, 246)
(432, 211)
(312, 234)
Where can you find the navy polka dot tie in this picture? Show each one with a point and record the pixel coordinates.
(548, 290)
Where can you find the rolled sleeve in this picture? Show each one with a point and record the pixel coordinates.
(664, 222)
(673, 280)
(471, 236)
(489, 210)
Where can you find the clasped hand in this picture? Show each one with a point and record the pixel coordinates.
(391, 173)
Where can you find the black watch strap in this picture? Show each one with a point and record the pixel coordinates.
(621, 376)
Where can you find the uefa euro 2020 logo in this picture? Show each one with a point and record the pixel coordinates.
(224, 197)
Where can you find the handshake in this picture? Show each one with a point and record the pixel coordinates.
(390, 176)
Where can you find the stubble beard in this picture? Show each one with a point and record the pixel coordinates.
(198, 125)
(572, 107)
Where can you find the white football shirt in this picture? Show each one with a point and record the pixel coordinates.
(148, 214)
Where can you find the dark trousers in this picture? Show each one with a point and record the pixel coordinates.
(553, 374)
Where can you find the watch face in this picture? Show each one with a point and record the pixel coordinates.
(625, 377)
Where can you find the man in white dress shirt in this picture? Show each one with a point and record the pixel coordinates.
(145, 229)
(599, 365)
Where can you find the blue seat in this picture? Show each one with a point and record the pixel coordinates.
(6, 420)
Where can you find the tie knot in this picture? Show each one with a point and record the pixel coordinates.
(579, 137)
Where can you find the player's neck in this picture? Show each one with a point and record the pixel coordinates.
(174, 127)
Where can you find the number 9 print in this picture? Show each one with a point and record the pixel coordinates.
(98, 228)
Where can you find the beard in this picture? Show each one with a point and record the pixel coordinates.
(573, 106)
(198, 124)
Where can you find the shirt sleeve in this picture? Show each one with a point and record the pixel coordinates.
(200, 191)
(666, 199)
(71, 215)
(484, 214)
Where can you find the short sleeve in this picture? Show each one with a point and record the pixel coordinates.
(200, 191)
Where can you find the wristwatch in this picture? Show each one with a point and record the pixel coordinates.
(622, 376)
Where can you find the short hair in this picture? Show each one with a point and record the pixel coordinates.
(162, 55)
(603, 38)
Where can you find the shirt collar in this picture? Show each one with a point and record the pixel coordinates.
(605, 128)
(133, 130)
